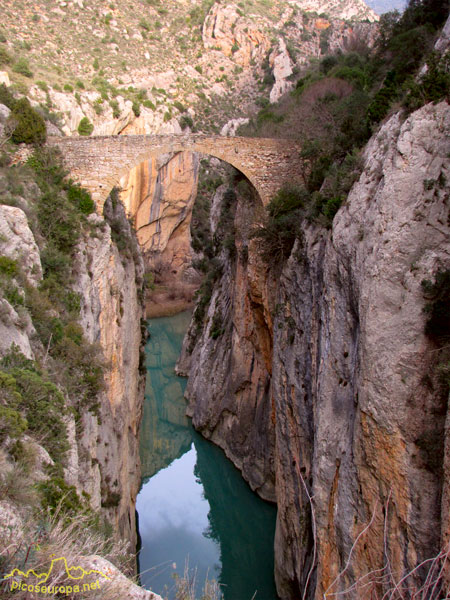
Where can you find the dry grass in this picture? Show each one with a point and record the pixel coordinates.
(383, 584)
(186, 587)
(36, 545)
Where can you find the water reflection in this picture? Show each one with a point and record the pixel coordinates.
(194, 504)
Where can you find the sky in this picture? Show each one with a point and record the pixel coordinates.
(382, 6)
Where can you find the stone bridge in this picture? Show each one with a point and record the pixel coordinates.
(98, 163)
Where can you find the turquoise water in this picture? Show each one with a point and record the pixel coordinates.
(195, 511)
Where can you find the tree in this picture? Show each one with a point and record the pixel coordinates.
(85, 127)
(30, 128)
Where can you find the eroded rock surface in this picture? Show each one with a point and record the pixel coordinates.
(159, 195)
(323, 376)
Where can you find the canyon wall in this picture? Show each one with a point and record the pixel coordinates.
(159, 196)
(324, 391)
(105, 458)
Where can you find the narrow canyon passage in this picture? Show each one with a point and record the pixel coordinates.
(194, 507)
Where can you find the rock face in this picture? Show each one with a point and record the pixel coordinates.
(225, 29)
(17, 243)
(106, 464)
(234, 408)
(323, 377)
(104, 456)
(281, 64)
(159, 195)
(352, 9)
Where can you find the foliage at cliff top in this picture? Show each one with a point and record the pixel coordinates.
(337, 104)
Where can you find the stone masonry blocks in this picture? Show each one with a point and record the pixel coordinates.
(98, 163)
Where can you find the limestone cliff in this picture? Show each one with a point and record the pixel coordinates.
(100, 440)
(159, 196)
(323, 385)
(106, 464)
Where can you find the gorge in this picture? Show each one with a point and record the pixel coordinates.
(317, 353)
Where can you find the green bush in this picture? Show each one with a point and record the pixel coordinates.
(180, 107)
(42, 85)
(288, 199)
(186, 121)
(41, 404)
(85, 127)
(22, 67)
(6, 96)
(8, 266)
(60, 222)
(80, 198)
(58, 496)
(30, 127)
(136, 107)
(433, 86)
(68, 88)
(5, 58)
(115, 108)
(283, 225)
(149, 104)
(12, 424)
(327, 63)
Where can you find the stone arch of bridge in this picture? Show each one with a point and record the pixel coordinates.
(153, 154)
(98, 163)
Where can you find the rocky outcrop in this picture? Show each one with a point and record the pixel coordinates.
(226, 29)
(18, 244)
(281, 64)
(233, 408)
(323, 377)
(350, 10)
(356, 308)
(103, 459)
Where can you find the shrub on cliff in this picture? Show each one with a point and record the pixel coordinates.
(80, 198)
(438, 306)
(38, 401)
(5, 58)
(22, 67)
(85, 127)
(437, 327)
(29, 124)
(283, 224)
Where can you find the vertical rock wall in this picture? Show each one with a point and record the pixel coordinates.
(324, 380)
(159, 195)
(105, 462)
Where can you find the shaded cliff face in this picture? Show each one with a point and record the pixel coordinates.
(233, 408)
(324, 374)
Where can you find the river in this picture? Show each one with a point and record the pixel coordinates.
(194, 509)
